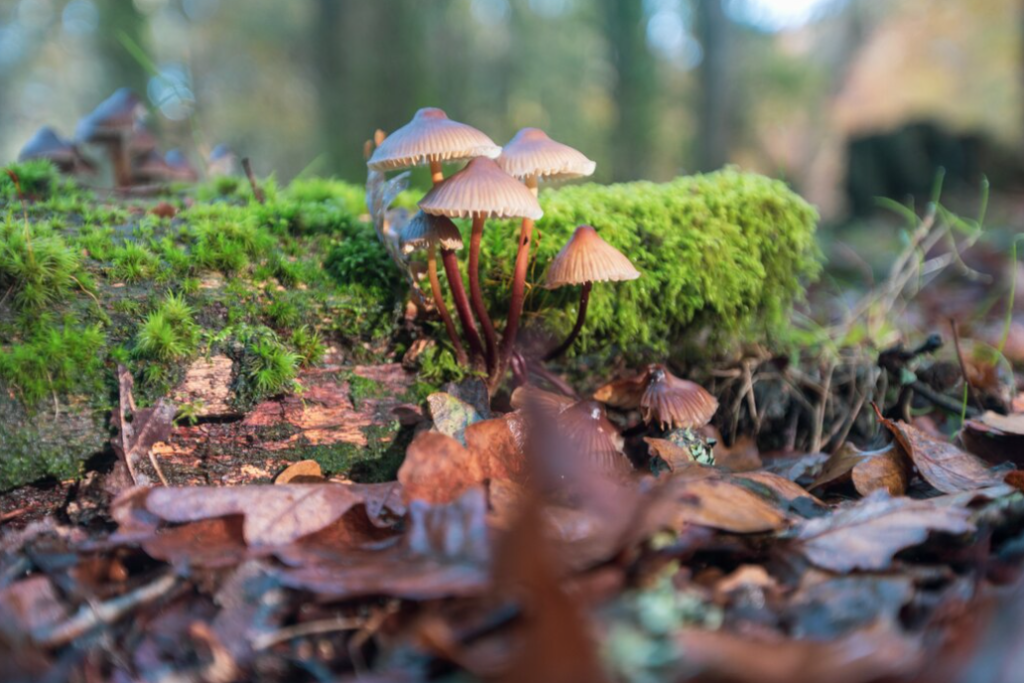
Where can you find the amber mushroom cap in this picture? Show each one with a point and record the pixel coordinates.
(532, 153)
(430, 136)
(674, 402)
(425, 231)
(586, 427)
(481, 189)
(588, 258)
(529, 397)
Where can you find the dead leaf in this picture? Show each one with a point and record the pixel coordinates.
(498, 445)
(888, 471)
(712, 502)
(995, 438)
(794, 495)
(301, 472)
(867, 535)
(438, 469)
(861, 657)
(135, 438)
(742, 456)
(839, 466)
(940, 463)
(211, 543)
(274, 515)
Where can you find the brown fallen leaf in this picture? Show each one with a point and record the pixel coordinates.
(136, 437)
(713, 502)
(940, 463)
(301, 472)
(995, 438)
(867, 535)
(274, 515)
(211, 543)
(838, 468)
(498, 445)
(888, 471)
(785, 490)
(438, 469)
(874, 654)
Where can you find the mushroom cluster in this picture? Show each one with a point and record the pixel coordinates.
(117, 127)
(495, 183)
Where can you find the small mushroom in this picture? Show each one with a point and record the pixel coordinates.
(47, 144)
(141, 140)
(531, 156)
(111, 124)
(430, 138)
(438, 232)
(584, 260)
(675, 403)
(480, 191)
(662, 397)
(587, 430)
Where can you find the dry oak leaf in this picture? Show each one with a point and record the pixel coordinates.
(438, 469)
(274, 515)
(301, 472)
(940, 463)
(784, 489)
(888, 471)
(868, 534)
(712, 502)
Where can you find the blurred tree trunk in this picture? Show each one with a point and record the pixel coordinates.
(634, 91)
(715, 82)
(119, 18)
(363, 84)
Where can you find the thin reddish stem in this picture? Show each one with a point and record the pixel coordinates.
(442, 310)
(476, 294)
(580, 318)
(451, 269)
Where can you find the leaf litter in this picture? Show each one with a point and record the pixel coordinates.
(506, 550)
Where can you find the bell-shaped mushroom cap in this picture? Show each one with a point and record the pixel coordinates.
(425, 231)
(113, 118)
(532, 152)
(675, 402)
(481, 189)
(588, 431)
(47, 144)
(431, 136)
(529, 397)
(588, 258)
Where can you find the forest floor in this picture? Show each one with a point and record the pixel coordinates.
(545, 537)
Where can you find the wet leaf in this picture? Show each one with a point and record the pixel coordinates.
(792, 494)
(839, 467)
(940, 463)
(438, 469)
(869, 534)
(888, 471)
(712, 502)
(274, 515)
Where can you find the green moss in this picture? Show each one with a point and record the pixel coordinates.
(37, 179)
(168, 333)
(268, 367)
(133, 262)
(52, 362)
(308, 345)
(36, 270)
(378, 461)
(725, 253)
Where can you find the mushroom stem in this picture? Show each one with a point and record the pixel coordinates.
(515, 311)
(436, 175)
(119, 159)
(476, 295)
(580, 317)
(442, 310)
(451, 269)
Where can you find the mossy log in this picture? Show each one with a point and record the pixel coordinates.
(223, 304)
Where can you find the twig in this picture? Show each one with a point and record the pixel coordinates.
(256, 191)
(89, 617)
(308, 628)
(819, 417)
(942, 401)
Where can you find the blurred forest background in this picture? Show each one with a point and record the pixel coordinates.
(845, 99)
